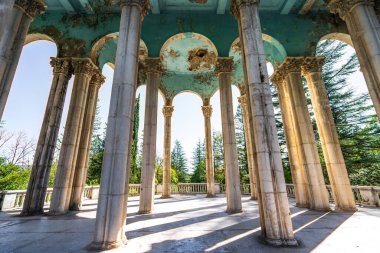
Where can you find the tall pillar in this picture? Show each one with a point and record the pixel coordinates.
(12, 39)
(83, 70)
(276, 225)
(43, 158)
(153, 72)
(224, 68)
(336, 167)
(207, 112)
(81, 165)
(250, 156)
(167, 110)
(111, 213)
(364, 28)
(290, 70)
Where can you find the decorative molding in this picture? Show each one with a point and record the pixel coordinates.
(207, 111)
(244, 103)
(144, 5)
(98, 79)
(237, 4)
(224, 65)
(289, 65)
(313, 65)
(168, 110)
(61, 66)
(84, 66)
(31, 7)
(153, 65)
(344, 7)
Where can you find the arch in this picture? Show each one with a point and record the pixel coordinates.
(30, 38)
(343, 37)
(187, 91)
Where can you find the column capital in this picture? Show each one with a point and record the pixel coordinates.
(207, 111)
(153, 65)
(313, 65)
(84, 66)
(243, 100)
(61, 66)
(31, 7)
(98, 79)
(289, 65)
(144, 5)
(344, 7)
(224, 65)
(236, 4)
(167, 110)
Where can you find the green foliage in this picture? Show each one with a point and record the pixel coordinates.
(241, 147)
(217, 146)
(135, 169)
(179, 163)
(13, 177)
(199, 164)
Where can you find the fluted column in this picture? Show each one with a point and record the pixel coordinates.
(233, 193)
(111, 213)
(290, 71)
(43, 158)
(81, 165)
(167, 110)
(153, 71)
(364, 28)
(12, 38)
(276, 225)
(250, 156)
(207, 112)
(336, 167)
(83, 70)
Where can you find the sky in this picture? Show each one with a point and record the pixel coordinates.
(27, 101)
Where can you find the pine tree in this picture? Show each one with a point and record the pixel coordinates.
(241, 146)
(179, 162)
(135, 169)
(199, 163)
(217, 146)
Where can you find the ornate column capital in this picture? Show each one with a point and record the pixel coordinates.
(31, 7)
(224, 65)
(289, 65)
(243, 100)
(153, 65)
(167, 110)
(207, 111)
(144, 5)
(98, 79)
(61, 66)
(344, 7)
(236, 4)
(313, 65)
(84, 66)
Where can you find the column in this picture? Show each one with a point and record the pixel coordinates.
(336, 167)
(81, 166)
(224, 70)
(207, 112)
(304, 133)
(147, 188)
(83, 70)
(250, 156)
(43, 158)
(12, 39)
(167, 110)
(113, 196)
(276, 225)
(364, 28)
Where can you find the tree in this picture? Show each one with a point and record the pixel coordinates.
(13, 177)
(179, 162)
(135, 169)
(217, 146)
(241, 146)
(199, 163)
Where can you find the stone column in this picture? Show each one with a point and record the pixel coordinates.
(336, 167)
(81, 165)
(250, 156)
(167, 110)
(231, 167)
(276, 225)
(83, 70)
(153, 71)
(12, 39)
(43, 158)
(111, 213)
(290, 70)
(364, 28)
(207, 112)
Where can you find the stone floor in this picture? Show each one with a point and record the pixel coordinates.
(193, 224)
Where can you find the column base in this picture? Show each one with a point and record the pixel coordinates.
(96, 246)
(209, 195)
(75, 207)
(253, 198)
(282, 242)
(301, 205)
(144, 212)
(166, 197)
(348, 210)
(232, 211)
(31, 213)
(56, 213)
(321, 209)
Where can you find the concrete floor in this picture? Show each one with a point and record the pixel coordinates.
(193, 224)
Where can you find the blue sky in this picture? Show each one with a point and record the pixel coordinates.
(27, 100)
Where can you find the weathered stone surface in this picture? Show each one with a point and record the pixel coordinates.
(167, 110)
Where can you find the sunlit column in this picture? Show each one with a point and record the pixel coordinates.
(276, 225)
(43, 158)
(207, 112)
(147, 187)
(303, 131)
(167, 110)
(336, 167)
(111, 212)
(12, 38)
(224, 70)
(81, 166)
(364, 28)
(250, 156)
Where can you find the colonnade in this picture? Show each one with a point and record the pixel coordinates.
(265, 168)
